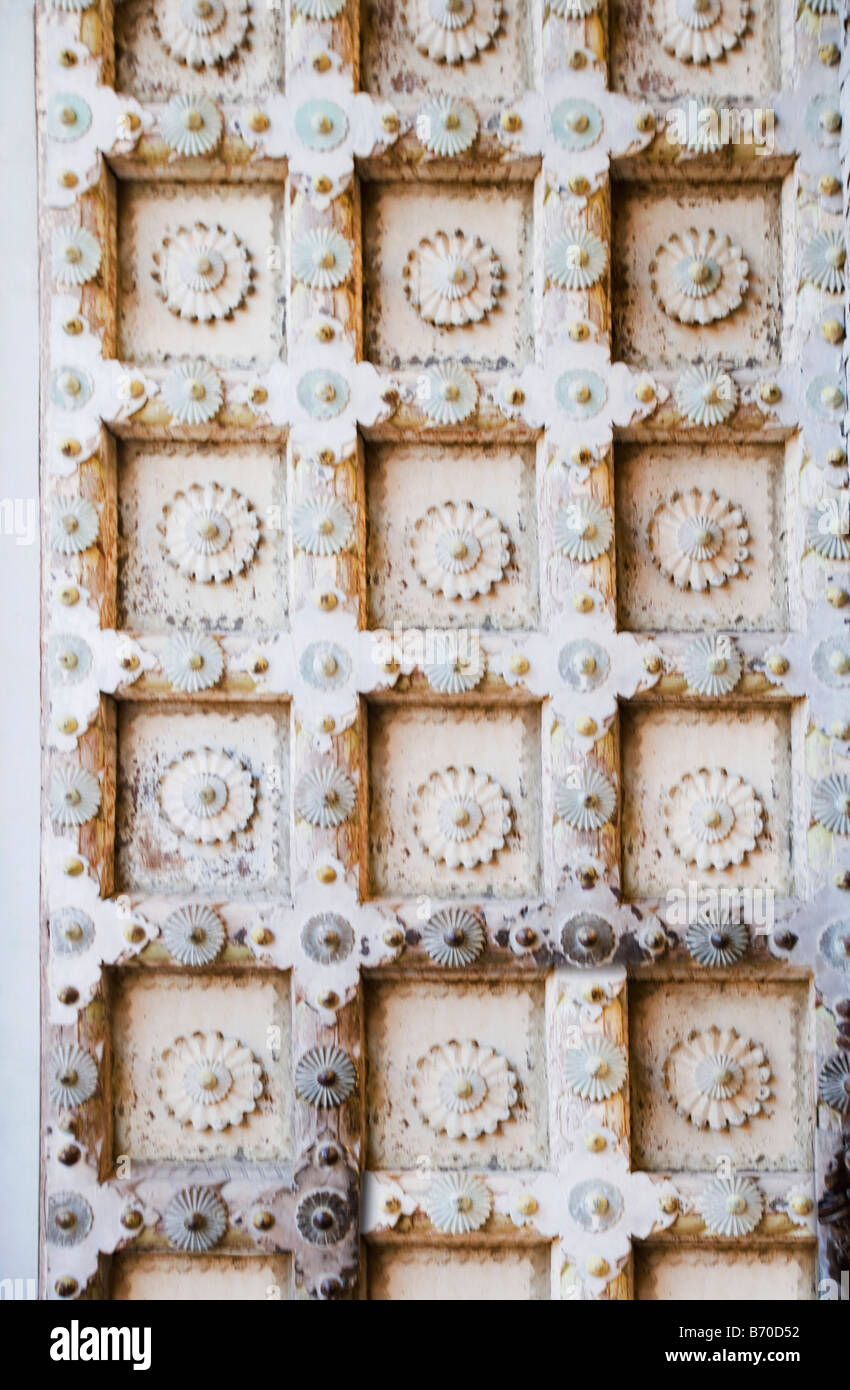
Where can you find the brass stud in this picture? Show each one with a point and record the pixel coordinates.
(66, 1287)
(518, 664)
(261, 936)
(324, 332)
(69, 595)
(72, 867)
(262, 1220)
(829, 54)
(832, 330)
(510, 121)
(321, 183)
(67, 57)
(130, 120)
(327, 724)
(391, 1205)
(131, 1219)
(587, 876)
(390, 122)
(579, 331)
(514, 395)
(134, 933)
(578, 185)
(841, 730)
(577, 60)
(68, 179)
(326, 873)
(259, 395)
(526, 937)
(129, 662)
(836, 595)
(328, 999)
(585, 725)
(326, 602)
(73, 326)
(645, 121)
(260, 665)
(668, 1203)
(68, 995)
(832, 397)
(828, 185)
(830, 120)
(69, 1155)
(259, 121)
(645, 392)
(594, 1142)
(393, 937)
(69, 448)
(582, 603)
(597, 1267)
(652, 663)
(320, 62)
(800, 1204)
(769, 392)
(777, 664)
(836, 457)
(526, 1205)
(67, 724)
(842, 880)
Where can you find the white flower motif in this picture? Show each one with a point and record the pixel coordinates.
(207, 796)
(325, 1077)
(595, 1070)
(203, 272)
(824, 260)
(698, 540)
(834, 1083)
(69, 658)
(319, 9)
(586, 800)
(322, 259)
(448, 394)
(322, 525)
(583, 529)
(194, 935)
(711, 665)
(576, 260)
(446, 125)
(462, 817)
(699, 277)
(192, 393)
(71, 6)
(573, 9)
(453, 936)
(322, 1217)
(209, 533)
(710, 132)
(71, 932)
(713, 819)
(453, 280)
(458, 1203)
(455, 666)
(69, 1218)
(706, 395)
(192, 661)
(201, 33)
(463, 1090)
(74, 797)
(717, 1079)
(327, 938)
(699, 31)
(195, 1219)
(822, 6)
(459, 550)
(191, 125)
(828, 528)
(73, 1075)
(76, 256)
(209, 1081)
(831, 803)
(731, 1206)
(325, 796)
(455, 30)
(716, 937)
(74, 525)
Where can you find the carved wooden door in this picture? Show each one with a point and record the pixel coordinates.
(447, 729)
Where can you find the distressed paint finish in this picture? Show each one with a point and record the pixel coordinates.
(322, 399)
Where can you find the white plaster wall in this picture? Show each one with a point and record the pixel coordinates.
(19, 698)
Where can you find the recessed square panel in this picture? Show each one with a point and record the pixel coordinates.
(179, 1278)
(199, 272)
(699, 537)
(158, 53)
(655, 54)
(452, 536)
(202, 537)
(680, 766)
(189, 1054)
(201, 799)
(681, 1035)
(447, 273)
(430, 1273)
(408, 48)
(697, 1273)
(455, 800)
(697, 273)
(422, 1038)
